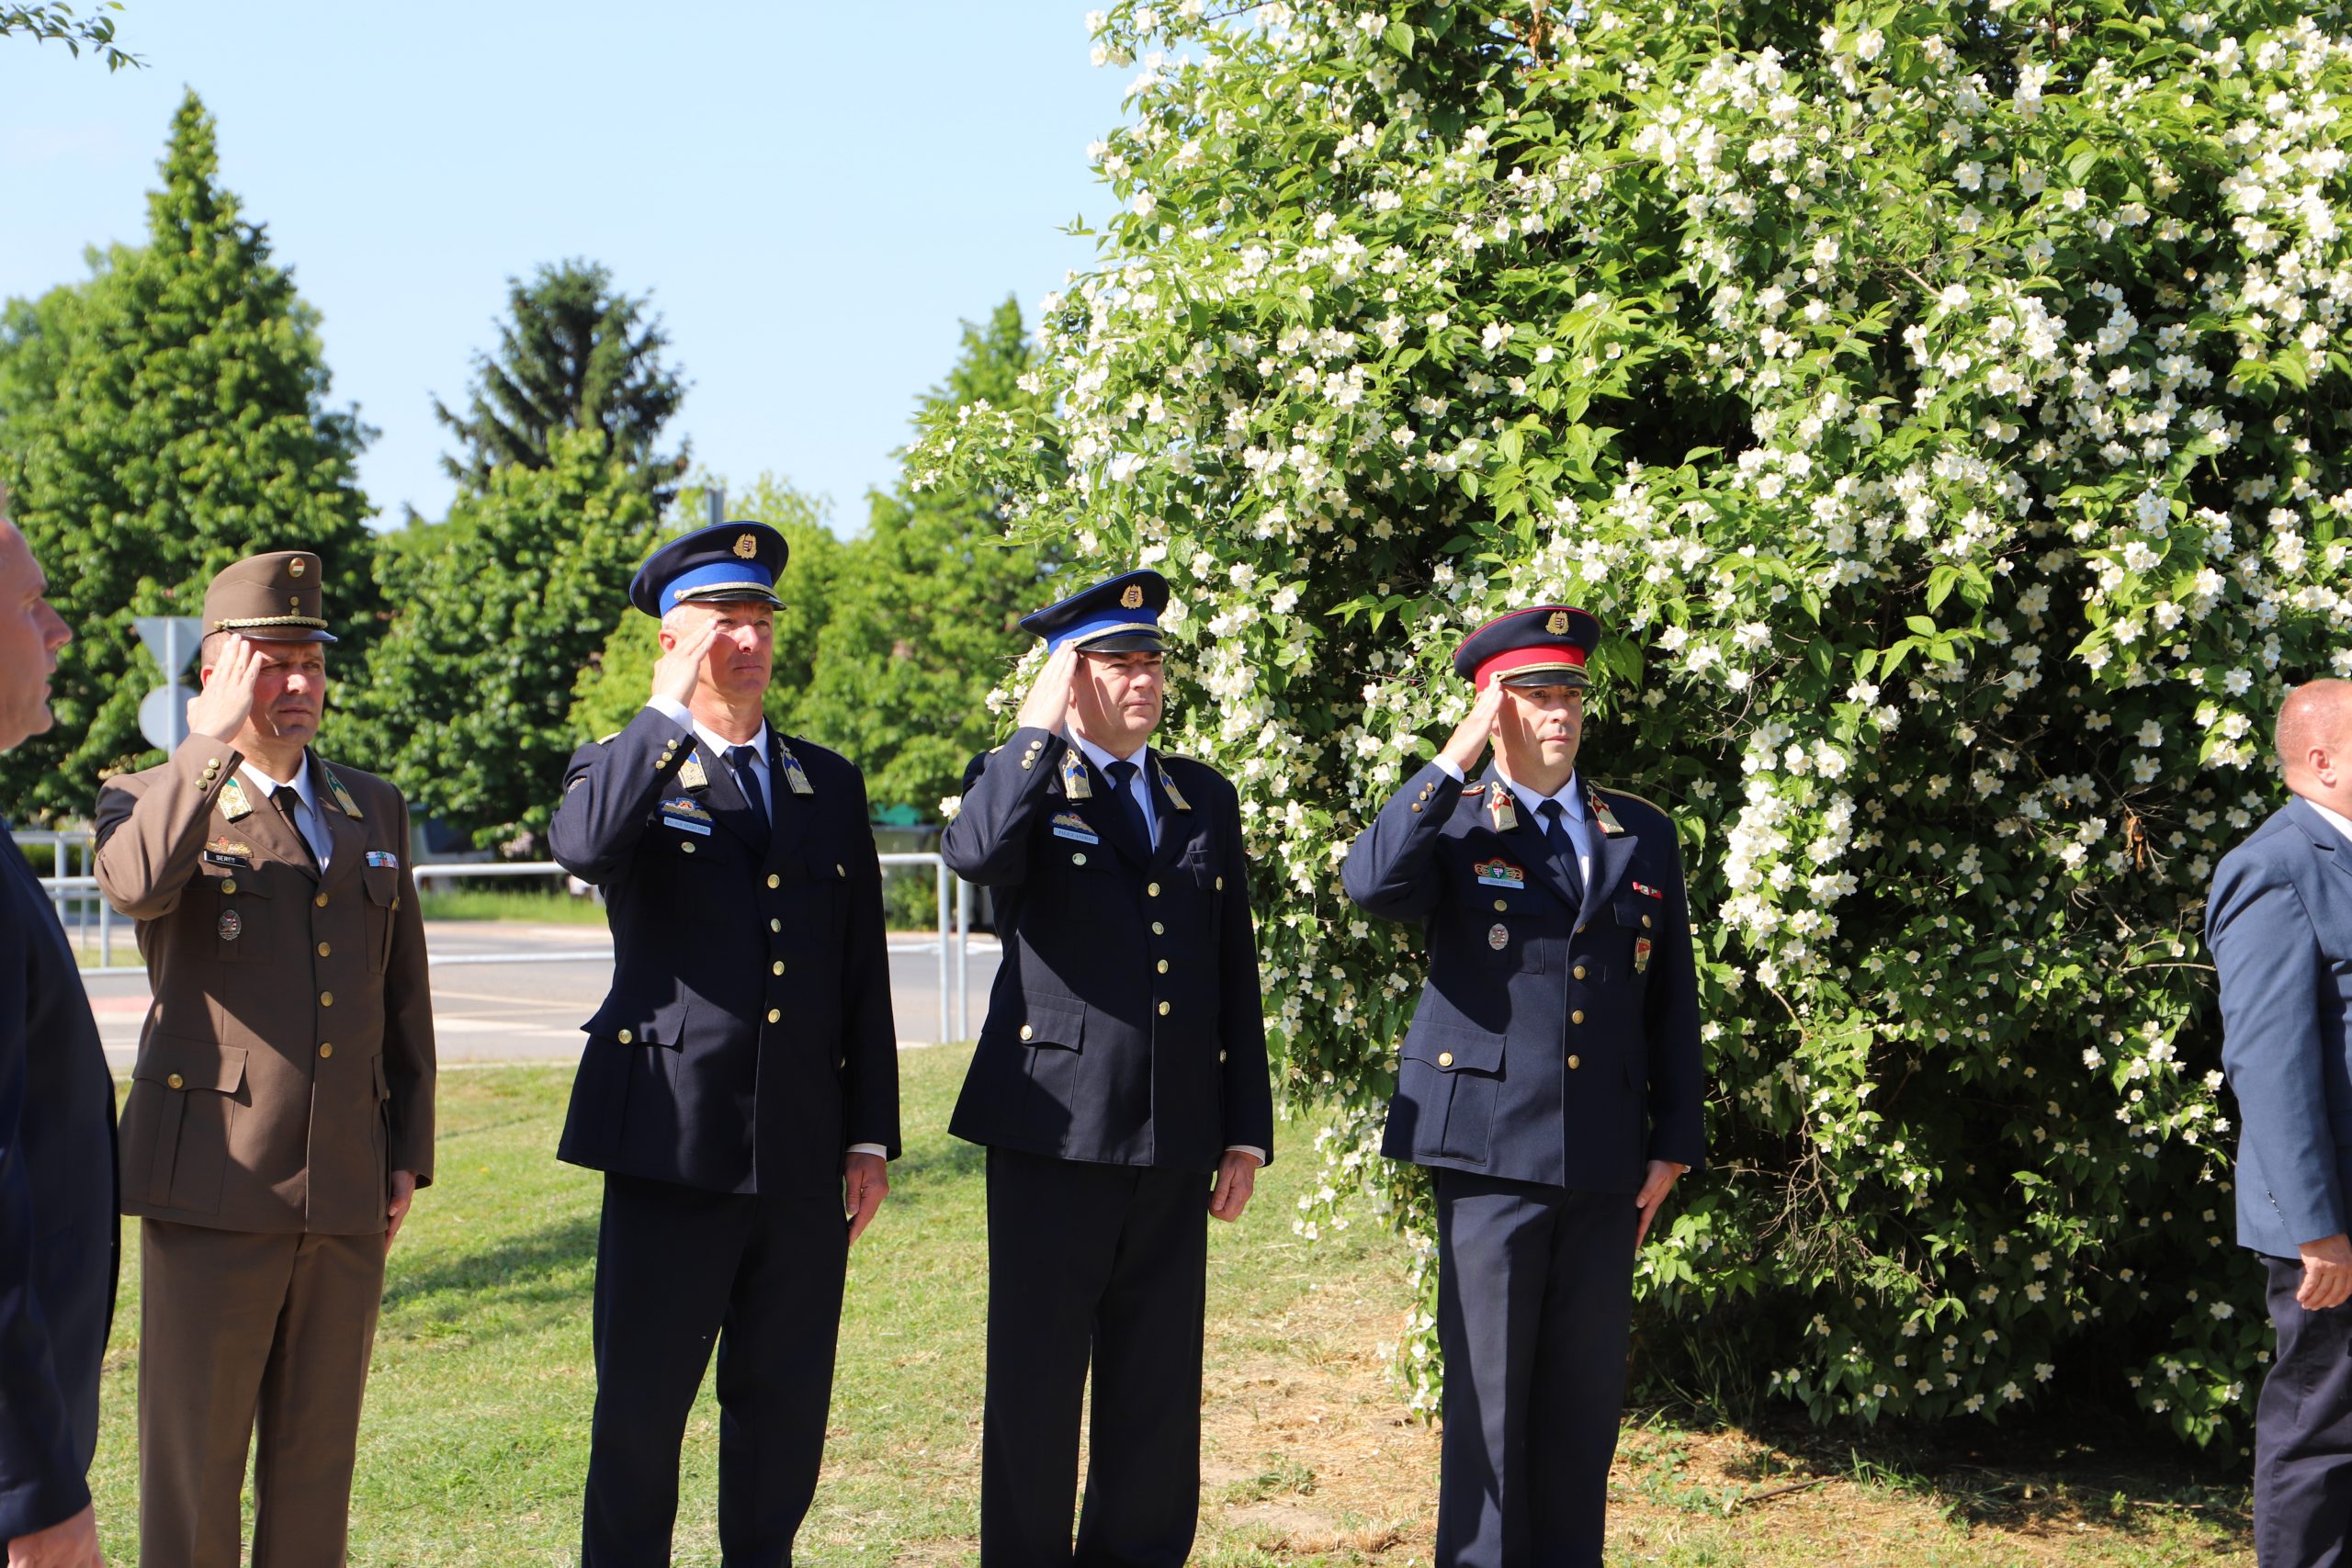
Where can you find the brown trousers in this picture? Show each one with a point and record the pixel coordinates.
(238, 1330)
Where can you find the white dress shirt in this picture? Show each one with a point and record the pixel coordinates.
(717, 747)
(1141, 787)
(306, 815)
(1571, 801)
(2342, 823)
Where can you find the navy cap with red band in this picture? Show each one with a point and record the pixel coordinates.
(1543, 645)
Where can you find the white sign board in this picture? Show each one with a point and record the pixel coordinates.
(172, 641)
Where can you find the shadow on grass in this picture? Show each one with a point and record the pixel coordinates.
(529, 1269)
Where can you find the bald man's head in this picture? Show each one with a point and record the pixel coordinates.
(2314, 736)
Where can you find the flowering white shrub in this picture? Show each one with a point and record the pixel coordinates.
(1942, 409)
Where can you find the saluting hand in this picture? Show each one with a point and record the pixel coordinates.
(1237, 1180)
(679, 671)
(1470, 737)
(227, 700)
(1652, 1197)
(1048, 705)
(865, 1181)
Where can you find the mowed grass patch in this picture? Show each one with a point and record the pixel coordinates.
(481, 901)
(476, 1437)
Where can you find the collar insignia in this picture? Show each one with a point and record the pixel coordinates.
(1175, 796)
(1598, 809)
(232, 801)
(794, 779)
(1501, 806)
(1075, 783)
(343, 796)
(691, 775)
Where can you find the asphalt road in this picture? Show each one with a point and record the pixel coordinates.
(518, 993)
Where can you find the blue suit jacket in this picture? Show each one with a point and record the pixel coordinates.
(747, 1041)
(2280, 924)
(1558, 1038)
(58, 1232)
(1126, 1025)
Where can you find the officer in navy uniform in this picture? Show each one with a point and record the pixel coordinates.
(740, 1086)
(1122, 1063)
(1550, 1079)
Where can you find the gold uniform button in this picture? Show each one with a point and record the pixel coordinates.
(1645, 919)
(325, 950)
(325, 1049)
(1417, 805)
(1446, 1058)
(1028, 761)
(1159, 929)
(1026, 1032)
(627, 1037)
(775, 925)
(840, 870)
(176, 1081)
(1078, 860)
(1220, 884)
(1574, 1063)
(1576, 1017)
(1579, 971)
(1163, 966)
(1163, 1009)
(1500, 905)
(326, 998)
(688, 849)
(320, 900)
(776, 1015)
(1152, 888)
(776, 968)
(229, 884)
(773, 880)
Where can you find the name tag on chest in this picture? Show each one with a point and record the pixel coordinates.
(1070, 825)
(1499, 873)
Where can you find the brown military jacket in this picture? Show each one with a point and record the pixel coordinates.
(286, 1063)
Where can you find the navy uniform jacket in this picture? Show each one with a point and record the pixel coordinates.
(747, 1041)
(57, 1233)
(1558, 1038)
(1126, 1026)
(2279, 923)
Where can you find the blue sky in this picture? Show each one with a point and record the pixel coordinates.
(815, 194)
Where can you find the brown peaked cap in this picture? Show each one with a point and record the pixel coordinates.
(278, 597)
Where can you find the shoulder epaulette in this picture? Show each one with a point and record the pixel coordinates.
(1637, 799)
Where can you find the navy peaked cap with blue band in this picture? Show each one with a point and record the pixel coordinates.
(1120, 615)
(728, 561)
(1544, 645)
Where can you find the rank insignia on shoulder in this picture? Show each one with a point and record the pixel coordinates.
(1609, 827)
(1075, 783)
(233, 803)
(1175, 796)
(1502, 808)
(691, 775)
(1500, 873)
(342, 797)
(794, 779)
(383, 860)
(1641, 955)
(1070, 825)
(1646, 890)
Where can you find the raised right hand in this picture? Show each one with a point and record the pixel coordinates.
(2328, 1273)
(221, 709)
(679, 670)
(1469, 740)
(1048, 705)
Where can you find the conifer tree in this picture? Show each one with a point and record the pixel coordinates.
(158, 421)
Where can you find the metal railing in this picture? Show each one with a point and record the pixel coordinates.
(86, 916)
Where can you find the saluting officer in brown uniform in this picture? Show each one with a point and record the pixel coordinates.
(280, 1116)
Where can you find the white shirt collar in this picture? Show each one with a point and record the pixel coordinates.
(269, 786)
(712, 742)
(1102, 759)
(1570, 797)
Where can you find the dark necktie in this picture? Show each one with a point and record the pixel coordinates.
(739, 759)
(1122, 775)
(1564, 849)
(288, 801)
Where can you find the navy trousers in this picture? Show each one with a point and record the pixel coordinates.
(1535, 1304)
(678, 1271)
(2302, 1433)
(1107, 1263)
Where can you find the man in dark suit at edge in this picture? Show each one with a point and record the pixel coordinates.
(58, 1235)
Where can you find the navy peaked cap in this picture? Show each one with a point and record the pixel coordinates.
(725, 563)
(1120, 615)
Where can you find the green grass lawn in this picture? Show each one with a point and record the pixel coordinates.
(475, 1442)
(486, 900)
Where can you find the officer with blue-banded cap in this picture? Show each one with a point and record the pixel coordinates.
(1120, 1085)
(1550, 1079)
(740, 1087)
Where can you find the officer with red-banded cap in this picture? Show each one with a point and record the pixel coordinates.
(1551, 1080)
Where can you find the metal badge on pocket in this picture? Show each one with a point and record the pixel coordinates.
(1499, 936)
(231, 925)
